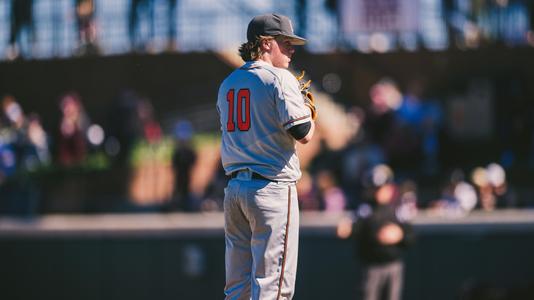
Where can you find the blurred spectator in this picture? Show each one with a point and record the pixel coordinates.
(379, 116)
(15, 131)
(422, 119)
(385, 129)
(172, 24)
(380, 239)
(213, 197)
(152, 132)
(377, 176)
(8, 193)
(21, 24)
(125, 124)
(457, 199)
(7, 160)
(141, 10)
(493, 189)
(506, 22)
(39, 140)
(402, 143)
(405, 126)
(25, 135)
(183, 159)
(358, 158)
(487, 198)
(85, 19)
(475, 23)
(151, 160)
(408, 201)
(23, 149)
(72, 144)
(332, 197)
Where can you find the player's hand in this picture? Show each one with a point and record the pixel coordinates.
(344, 228)
(390, 234)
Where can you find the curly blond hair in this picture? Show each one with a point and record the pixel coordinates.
(252, 50)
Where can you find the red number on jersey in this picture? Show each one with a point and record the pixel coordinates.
(230, 125)
(243, 110)
(243, 102)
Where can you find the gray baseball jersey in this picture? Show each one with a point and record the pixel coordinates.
(257, 103)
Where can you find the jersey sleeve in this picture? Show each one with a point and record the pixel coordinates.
(289, 102)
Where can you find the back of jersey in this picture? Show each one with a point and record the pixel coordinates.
(253, 114)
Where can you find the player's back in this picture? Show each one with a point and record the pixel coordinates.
(253, 135)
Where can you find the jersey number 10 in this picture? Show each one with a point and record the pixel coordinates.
(243, 104)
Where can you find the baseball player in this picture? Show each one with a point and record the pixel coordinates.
(263, 112)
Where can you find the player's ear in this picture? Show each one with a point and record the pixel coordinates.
(265, 44)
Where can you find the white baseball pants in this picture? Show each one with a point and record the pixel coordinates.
(261, 234)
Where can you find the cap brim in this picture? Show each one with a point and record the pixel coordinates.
(295, 40)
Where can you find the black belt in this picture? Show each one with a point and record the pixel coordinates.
(254, 176)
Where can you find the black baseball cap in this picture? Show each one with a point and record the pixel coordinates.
(272, 25)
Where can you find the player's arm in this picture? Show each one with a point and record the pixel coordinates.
(303, 133)
(295, 115)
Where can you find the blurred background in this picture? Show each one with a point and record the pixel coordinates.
(110, 175)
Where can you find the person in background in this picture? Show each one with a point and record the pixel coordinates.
(38, 140)
(139, 10)
(85, 19)
(183, 160)
(381, 239)
(16, 128)
(21, 22)
(72, 144)
(493, 189)
(25, 135)
(23, 150)
(8, 155)
(172, 11)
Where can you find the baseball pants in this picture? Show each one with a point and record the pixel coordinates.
(261, 234)
(379, 279)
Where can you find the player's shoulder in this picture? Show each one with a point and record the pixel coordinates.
(269, 72)
(286, 75)
(235, 76)
(285, 79)
(281, 73)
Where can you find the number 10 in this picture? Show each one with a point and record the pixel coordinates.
(243, 99)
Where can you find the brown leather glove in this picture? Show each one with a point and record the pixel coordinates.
(306, 94)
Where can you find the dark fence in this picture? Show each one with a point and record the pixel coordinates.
(182, 257)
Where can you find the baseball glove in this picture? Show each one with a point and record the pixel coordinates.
(307, 95)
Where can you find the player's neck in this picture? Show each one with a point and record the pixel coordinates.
(266, 58)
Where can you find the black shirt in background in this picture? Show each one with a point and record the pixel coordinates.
(365, 231)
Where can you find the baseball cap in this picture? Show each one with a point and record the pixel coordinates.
(272, 25)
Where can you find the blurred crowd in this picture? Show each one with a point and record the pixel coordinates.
(399, 145)
(88, 27)
(23, 141)
(151, 167)
(32, 158)
(402, 139)
(140, 14)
